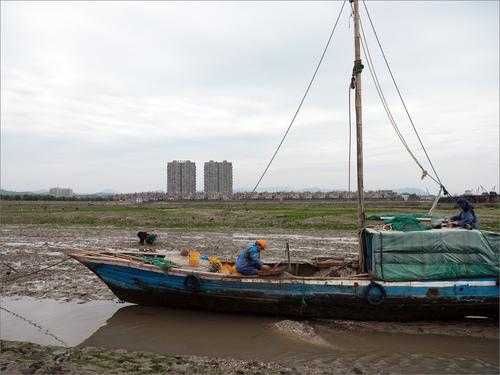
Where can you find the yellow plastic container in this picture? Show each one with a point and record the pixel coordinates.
(215, 264)
(194, 258)
(228, 269)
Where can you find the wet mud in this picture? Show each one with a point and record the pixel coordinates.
(314, 347)
(26, 249)
(27, 358)
(71, 312)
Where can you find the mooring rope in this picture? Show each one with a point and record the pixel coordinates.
(36, 325)
(7, 280)
(10, 267)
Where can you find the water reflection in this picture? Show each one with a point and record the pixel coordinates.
(198, 333)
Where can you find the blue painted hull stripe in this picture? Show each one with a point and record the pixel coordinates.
(139, 279)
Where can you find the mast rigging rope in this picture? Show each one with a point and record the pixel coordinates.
(350, 142)
(378, 87)
(302, 100)
(402, 99)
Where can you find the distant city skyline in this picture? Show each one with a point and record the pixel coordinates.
(61, 192)
(218, 177)
(181, 178)
(408, 190)
(221, 81)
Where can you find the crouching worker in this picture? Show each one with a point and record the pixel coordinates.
(142, 237)
(466, 218)
(248, 261)
(150, 238)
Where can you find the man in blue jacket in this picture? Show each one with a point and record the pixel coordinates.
(248, 261)
(466, 218)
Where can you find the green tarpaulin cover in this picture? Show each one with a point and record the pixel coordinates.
(437, 254)
(406, 222)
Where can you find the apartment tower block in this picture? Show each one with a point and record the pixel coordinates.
(181, 178)
(218, 178)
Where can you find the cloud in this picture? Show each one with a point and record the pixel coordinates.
(101, 95)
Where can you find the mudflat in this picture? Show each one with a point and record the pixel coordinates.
(27, 358)
(39, 279)
(29, 248)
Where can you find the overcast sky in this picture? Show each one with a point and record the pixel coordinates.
(101, 95)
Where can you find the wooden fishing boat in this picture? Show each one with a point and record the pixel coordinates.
(356, 297)
(373, 294)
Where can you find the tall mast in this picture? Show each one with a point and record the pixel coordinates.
(358, 67)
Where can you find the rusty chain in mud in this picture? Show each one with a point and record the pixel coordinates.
(36, 325)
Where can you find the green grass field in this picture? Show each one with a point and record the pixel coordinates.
(218, 215)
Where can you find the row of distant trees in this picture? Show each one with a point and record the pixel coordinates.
(484, 198)
(44, 197)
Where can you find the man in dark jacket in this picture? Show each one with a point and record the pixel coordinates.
(466, 217)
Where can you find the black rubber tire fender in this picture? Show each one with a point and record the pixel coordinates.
(379, 297)
(192, 282)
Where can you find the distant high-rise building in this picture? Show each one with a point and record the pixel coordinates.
(218, 177)
(61, 192)
(181, 178)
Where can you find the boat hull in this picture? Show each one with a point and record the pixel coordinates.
(301, 297)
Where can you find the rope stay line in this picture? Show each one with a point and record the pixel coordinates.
(378, 87)
(36, 325)
(350, 142)
(302, 100)
(7, 280)
(402, 100)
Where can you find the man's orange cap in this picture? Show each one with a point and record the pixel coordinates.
(262, 243)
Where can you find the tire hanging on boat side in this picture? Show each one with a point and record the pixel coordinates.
(375, 294)
(192, 283)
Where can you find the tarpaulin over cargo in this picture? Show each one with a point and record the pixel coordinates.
(438, 254)
(408, 222)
